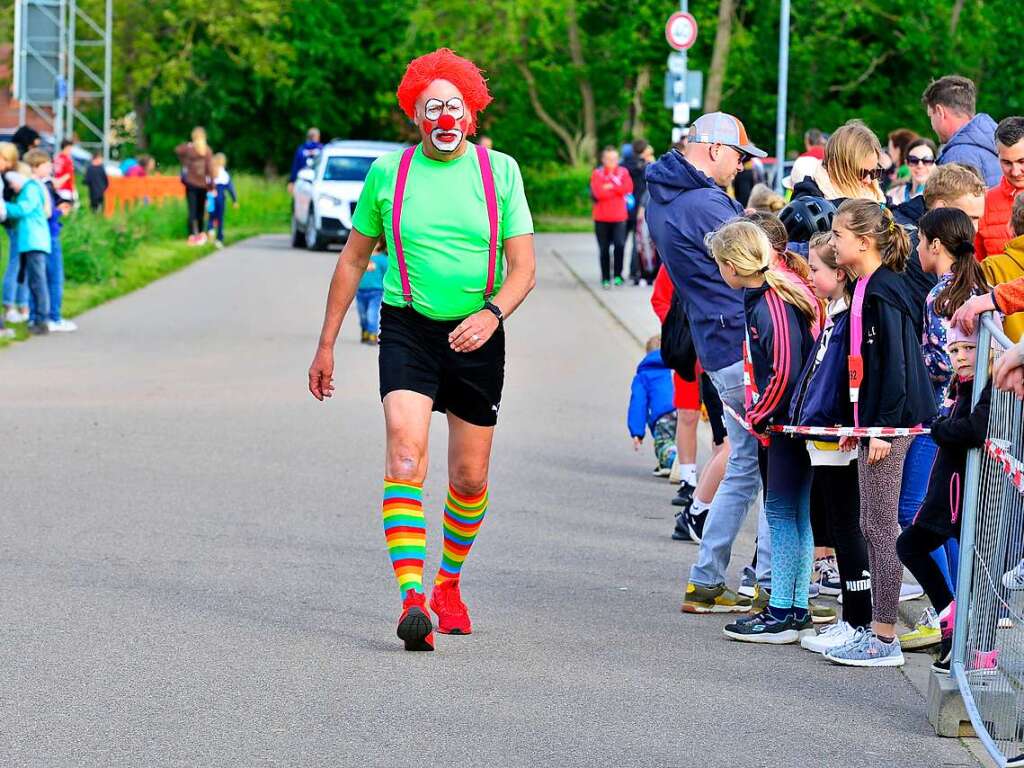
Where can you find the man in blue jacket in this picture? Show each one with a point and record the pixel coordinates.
(687, 202)
(968, 138)
(306, 152)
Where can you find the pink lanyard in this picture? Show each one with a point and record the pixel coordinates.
(487, 176)
(856, 359)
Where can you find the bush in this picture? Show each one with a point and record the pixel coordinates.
(95, 246)
(558, 190)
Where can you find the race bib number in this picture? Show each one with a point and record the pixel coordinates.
(856, 366)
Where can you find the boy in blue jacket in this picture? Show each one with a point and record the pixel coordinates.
(650, 405)
(370, 293)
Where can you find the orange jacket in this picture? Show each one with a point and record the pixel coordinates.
(994, 228)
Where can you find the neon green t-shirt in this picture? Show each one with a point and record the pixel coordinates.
(445, 231)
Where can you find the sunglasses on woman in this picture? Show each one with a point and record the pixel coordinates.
(920, 160)
(872, 174)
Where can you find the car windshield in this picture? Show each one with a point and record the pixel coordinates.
(343, 168)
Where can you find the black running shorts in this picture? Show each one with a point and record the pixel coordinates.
(415, 355)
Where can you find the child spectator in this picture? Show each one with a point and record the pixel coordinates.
(96, 182)
(889, 387)
(822, 400)
(762, 198)
(945, 249)
(31, 209)
(370, 293)
(15, 292)
(650, 406)
(59, 207)
(939, 516)
(778, 319)
(217, 201)
(64, 172)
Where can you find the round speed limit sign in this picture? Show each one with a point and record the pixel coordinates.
(681, 30)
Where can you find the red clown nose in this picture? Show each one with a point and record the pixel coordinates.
(446, 122)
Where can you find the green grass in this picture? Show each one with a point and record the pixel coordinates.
(548, 223)
(105, 258)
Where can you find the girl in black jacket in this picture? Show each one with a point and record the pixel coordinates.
(939, 516)
(889, 387)
(778, 323)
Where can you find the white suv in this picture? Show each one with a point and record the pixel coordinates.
(326, 192)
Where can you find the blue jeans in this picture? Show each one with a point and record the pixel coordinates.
(916, 470)
(368, 301)
(55, 277)
(35, 276)
(788, 509)
(740, 488)
(14, 293)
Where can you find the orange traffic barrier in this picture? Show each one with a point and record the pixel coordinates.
(125, 192)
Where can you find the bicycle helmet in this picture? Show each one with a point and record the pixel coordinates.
(807, 216)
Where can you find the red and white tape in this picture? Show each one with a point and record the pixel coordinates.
(1011, 466)
(787, 429)
(850, 431)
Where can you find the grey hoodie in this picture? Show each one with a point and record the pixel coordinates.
(975, 144)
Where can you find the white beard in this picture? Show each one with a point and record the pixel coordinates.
(446, 146)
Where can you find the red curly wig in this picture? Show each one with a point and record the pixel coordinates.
(444, 64)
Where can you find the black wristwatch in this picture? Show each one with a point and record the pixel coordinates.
(492, 307)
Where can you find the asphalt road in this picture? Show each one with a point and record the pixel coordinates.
(194, 573)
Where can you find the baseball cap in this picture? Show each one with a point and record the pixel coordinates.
(720, 128)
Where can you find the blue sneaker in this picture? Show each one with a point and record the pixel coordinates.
(867, 650)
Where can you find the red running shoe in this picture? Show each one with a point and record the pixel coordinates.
(452, 616)
(414, 627)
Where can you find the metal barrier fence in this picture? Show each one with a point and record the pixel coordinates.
(988, 637)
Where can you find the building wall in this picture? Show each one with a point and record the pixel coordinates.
(8, 106)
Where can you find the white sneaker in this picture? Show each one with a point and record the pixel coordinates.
(62, 326)
(7, 333)
(1013, 579)
(218, 244)
(833, 636)
(910, 592)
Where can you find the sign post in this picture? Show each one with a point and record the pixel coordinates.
(683, 89)
(780, 109)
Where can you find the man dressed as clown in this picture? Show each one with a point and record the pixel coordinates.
(461, 260)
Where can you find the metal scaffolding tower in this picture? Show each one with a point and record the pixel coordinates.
(60, 51)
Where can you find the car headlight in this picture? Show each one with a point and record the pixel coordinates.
(330, 200)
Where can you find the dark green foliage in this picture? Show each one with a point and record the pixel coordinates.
(258, 72)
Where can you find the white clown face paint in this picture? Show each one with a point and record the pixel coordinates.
(442, 117)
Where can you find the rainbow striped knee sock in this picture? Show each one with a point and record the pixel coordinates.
(405, 529)
(462, 518)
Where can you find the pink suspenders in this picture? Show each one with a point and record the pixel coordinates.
(487, 176)
(856, 359)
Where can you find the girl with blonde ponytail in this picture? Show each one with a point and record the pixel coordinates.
(778, 316)
(889, 387)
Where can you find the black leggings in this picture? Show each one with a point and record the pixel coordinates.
(610, 233)
(713, 405)
(839, 486)
(196, 199)
(915, 546)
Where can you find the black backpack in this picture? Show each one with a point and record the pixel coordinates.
(677, 350)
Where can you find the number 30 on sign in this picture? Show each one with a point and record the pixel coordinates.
(681, 30)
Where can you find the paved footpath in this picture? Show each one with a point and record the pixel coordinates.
(194, 573)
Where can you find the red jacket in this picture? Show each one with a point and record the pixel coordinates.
(63, 166)
(994, 228)
(610, 190)
(661, 296)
